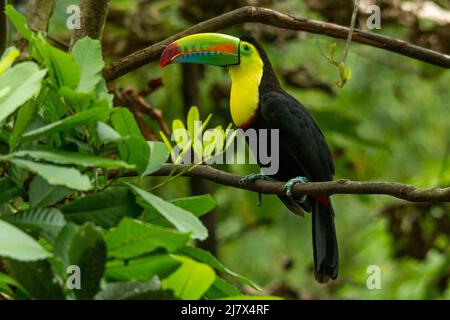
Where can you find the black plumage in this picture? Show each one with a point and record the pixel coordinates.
(303, 152)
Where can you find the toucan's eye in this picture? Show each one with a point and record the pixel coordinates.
(246, 48)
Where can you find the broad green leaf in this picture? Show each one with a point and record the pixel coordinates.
(133, 149)
(42, 194)
(78, 101)
(61, 65)
(142, 269)
(79, 119)
(8, 190)
(103, 93)
(88, 252)
(49, 221)
(183, 220)
(19, 22)
(125, 124)
(25, 117)
(191, 280)
(16, 244)
(134, 290)
(37, 278)
(208, 258)
(75, 158)
(106, 134)
(197, 205)
(63, 242)
(221, 289)
(87, 53)
(133, 238)
(105, 208)
(19, 84)
(56, 175)
(159, 156)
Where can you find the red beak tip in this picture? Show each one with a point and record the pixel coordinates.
(169, 54)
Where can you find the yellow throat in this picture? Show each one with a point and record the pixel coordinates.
(245, 80)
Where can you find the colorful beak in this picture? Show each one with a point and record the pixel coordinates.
(203, 48)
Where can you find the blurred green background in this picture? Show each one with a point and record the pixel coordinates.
(390, 122)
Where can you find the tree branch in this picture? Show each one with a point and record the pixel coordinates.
(394, 189)
(274, 18)
(39, 13)
(93, 18)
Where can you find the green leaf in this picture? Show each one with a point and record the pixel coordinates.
(25, 117)
(208, 258)
(88, 55)
(183, 220)
(106, 134)
(78, 101)
(105, 208)
(18, 85)
(8, 190)
(134, 290)
(79, 119)
(62, 67)
(134, 148)
(43, 194)
(37, 278)
(133, 238)
(142, 269)
(159, 156)
(55, 175)
(221, 289)
(191, 280)
(124, 122)
(16, 244)
(88, 252)
(49, 221)
(198, 205)
(19, 22)
(63, 242)
(75, 158)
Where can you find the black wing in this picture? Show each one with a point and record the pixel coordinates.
(303, 149)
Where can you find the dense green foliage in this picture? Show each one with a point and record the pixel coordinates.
(58, 126)
(58, 211)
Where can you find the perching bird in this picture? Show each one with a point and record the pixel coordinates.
(259, 102)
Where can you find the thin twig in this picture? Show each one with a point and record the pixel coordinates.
(394, 189)
(274, 18)
(350, 33)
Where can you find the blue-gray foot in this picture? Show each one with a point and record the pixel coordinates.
(291, 183)
(253, 177)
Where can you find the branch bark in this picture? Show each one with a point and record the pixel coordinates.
(274, 18)
(394, 189)
(39, 13)
(93, 18)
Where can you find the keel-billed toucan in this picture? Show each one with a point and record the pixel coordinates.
(259, 102)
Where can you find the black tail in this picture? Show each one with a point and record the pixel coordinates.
(326, 256)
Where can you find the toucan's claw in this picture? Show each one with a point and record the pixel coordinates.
(253, 177)
(291, 183)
